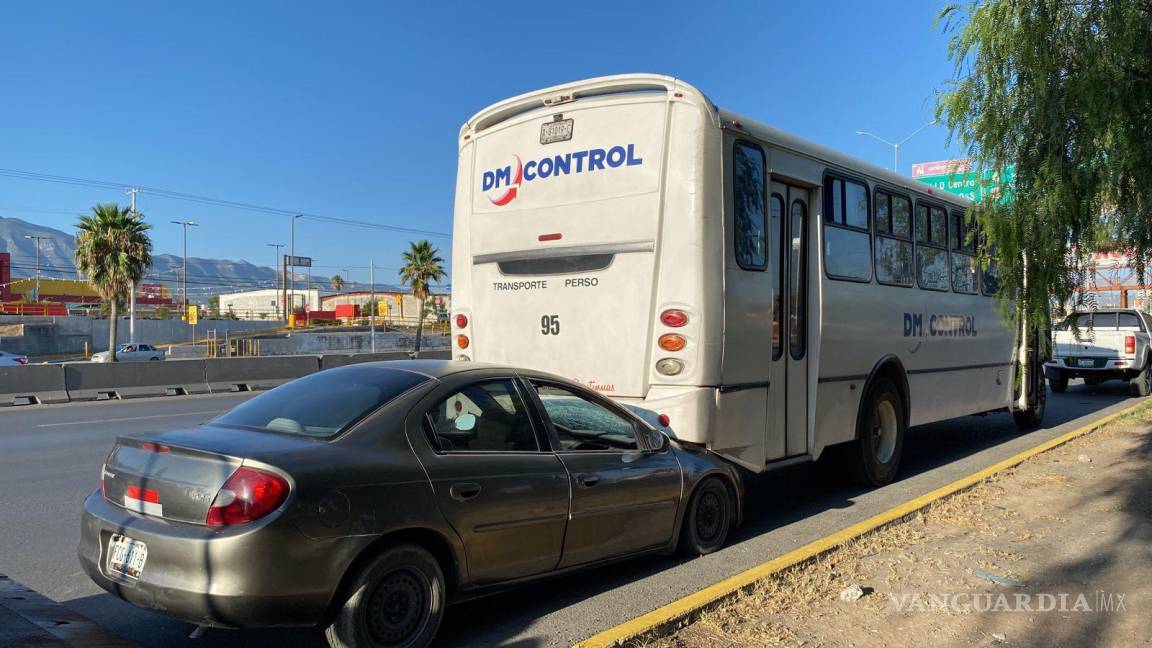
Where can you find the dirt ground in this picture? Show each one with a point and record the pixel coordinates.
(1055, 552)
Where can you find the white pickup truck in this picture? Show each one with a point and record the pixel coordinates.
(1102, 345)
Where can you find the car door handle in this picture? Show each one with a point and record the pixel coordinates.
(589, 480)
(464, 491)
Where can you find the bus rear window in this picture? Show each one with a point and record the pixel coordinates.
(557, 265)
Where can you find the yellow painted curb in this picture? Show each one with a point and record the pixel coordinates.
(678, 610)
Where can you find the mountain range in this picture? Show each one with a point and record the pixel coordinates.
(206, 277)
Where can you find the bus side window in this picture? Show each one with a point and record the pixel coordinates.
(893, 246)
(847, 231)
(963, 244)
(748, 194)
(775, 235)
(931, 247)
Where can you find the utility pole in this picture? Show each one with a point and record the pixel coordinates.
(372, 303)
(276, 270)
(132, 296)
(896, 145)
(185, 225)
(292, 282)
(37, 239)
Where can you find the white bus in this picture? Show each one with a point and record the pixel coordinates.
(768, 296)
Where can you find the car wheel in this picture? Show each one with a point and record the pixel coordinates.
(874, 456)
(396, 601)
(1059, 383)
(153, 359)
(708, 518)
(1141, 385)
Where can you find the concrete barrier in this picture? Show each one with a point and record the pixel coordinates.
(32, 384)
(100, 380)
(250, 374)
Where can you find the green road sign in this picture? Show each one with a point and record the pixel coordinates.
(955, 176)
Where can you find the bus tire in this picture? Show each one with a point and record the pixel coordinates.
(708, 519)
(1141, 384)
(1058, 382)
(1030, 419)
(874, 457)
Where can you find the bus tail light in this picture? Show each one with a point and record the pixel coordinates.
(674, 318)
(664, 420)
(462, 341)
(1130, 344)
(461, 320)
(669, 366)
(672, 342)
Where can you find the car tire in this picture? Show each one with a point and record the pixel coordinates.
(153, 359)
(1141, 384)
(708, 519)
(396, 601)
(874, 457)
(1059, 382)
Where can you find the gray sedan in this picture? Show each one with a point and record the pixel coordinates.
(364, 499)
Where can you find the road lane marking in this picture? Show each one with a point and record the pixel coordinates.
(128, 418)
(677, 611)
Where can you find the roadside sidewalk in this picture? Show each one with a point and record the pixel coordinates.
(1055, 552)
(31, 619)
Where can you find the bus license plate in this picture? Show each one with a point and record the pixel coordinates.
(126, 556)
(556, 131)
(1084, 362)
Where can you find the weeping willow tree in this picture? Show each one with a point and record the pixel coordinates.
(1062, 90)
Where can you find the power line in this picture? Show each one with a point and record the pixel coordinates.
(207, 200)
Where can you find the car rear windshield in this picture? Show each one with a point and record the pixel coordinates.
(322, 404)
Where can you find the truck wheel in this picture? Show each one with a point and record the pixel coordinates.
(874, 456)
(708, 518)
(1141, 385)
(396, 601)
(1059, 382)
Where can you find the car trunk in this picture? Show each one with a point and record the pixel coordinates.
(176, 475)
(1098, 337)
(563, 240)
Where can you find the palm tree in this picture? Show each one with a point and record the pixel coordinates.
(113, 251)
(337, 283)
(422, 267)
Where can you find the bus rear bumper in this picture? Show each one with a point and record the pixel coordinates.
(691, 410)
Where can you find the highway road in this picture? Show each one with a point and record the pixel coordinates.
(50, 457)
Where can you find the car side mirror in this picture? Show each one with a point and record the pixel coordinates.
(465, 422)
(657, 440)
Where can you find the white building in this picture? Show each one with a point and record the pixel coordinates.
(268, 304)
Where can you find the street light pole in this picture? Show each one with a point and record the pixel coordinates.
(184, 290)
(37, 239)
(276, 271)
(292, 281)
(896, 145)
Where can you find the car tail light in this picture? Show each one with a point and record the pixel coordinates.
(674, 318)
(461, 320)
(1130, 344)
(249, 494)
(22, 361)
(672, 342)
(154, 447)
(462, 341)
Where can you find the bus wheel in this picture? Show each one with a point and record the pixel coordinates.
(1029, 419)
(875, 455)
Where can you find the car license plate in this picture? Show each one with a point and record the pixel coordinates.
(559, 130)
(126, 556)
(1084, 362)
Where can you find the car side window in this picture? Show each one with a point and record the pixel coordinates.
(486, 416)
(582, 424)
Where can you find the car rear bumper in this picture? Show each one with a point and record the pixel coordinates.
(1101, 367)
(262, 576)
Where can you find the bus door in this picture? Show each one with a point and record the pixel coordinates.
(788, 265)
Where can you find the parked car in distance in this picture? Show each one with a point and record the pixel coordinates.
(1102, 345)
(132, 353)
(12, 359)
(363, 499)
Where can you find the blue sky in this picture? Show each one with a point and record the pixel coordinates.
(352, 109)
